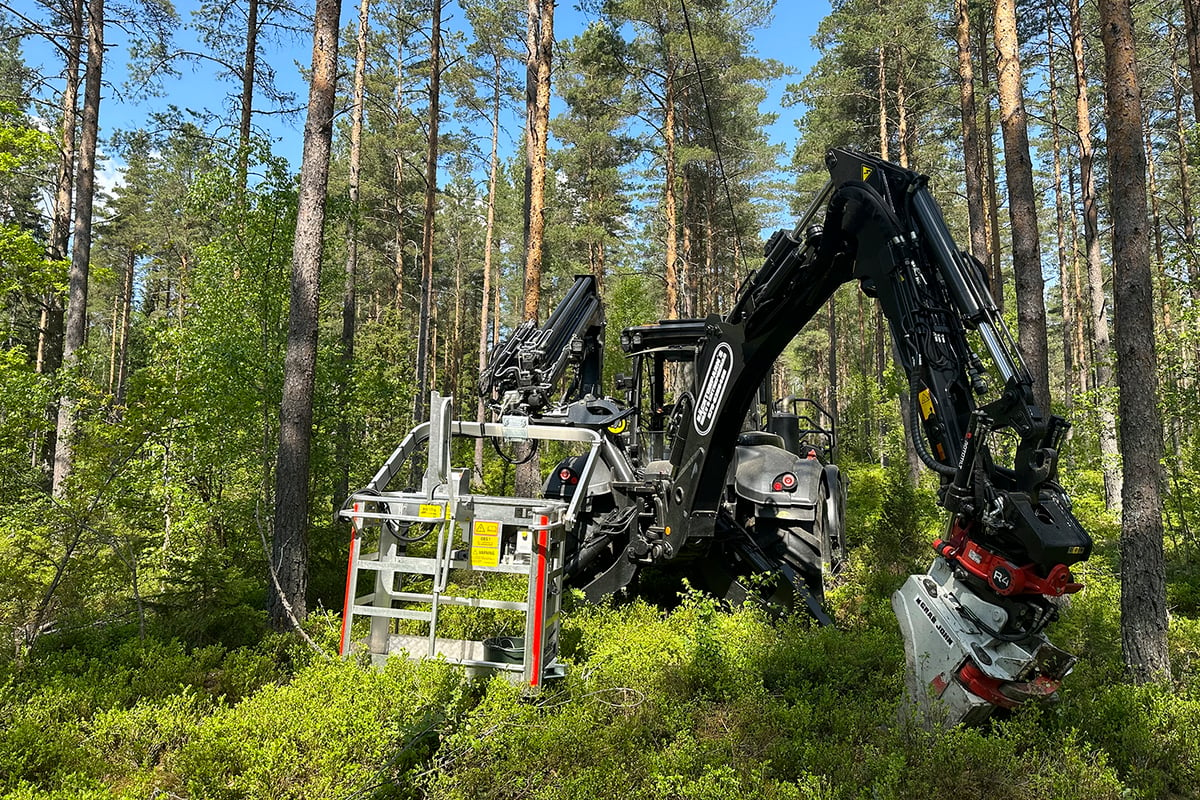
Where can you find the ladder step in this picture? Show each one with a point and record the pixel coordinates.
(393, 613)
(451, 600)
(428, 566)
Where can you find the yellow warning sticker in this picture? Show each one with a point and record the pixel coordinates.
(485, 544)
(866, 172)
(618, 427)
(431, 511)
(926, 401)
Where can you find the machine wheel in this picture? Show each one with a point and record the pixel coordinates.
(835, 531)
(808, 547)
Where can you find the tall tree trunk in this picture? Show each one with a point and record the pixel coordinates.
(399, 239)
(123, 344)
(1173, 422)
(1109, 454)
(1060, 214)
(81, 250)
(972, 162)
(881, 81)
(287, 604)
(988, 136)
(431, 158)
(1191, 12)
(50, 328)
(349, 297)
(249, 67)
(669, 194)
(1143, 572)
(488, 235)
(532, 15)
(1022, 204)
(540, 127)
(1082, 342)
(1183, 158)
(685, 269)
(527, 475)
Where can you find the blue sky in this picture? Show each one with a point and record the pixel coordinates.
(787, 40)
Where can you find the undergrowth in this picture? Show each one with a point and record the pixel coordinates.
(702, 702)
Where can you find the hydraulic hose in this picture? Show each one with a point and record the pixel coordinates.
(914, 387)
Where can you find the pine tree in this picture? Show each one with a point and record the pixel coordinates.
(289, 553)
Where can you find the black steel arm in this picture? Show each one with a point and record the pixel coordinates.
(522, 374)
(879, 224)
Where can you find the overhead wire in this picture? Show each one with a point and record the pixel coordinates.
(712, 132)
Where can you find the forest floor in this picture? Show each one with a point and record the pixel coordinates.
(700, 701)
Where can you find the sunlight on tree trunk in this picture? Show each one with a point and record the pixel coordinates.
(287, 604)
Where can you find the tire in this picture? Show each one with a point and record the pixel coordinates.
(807, 546)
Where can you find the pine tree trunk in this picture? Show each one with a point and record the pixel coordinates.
(50, 328)
(424, 333)
(1143, 572)
(399, 240)
(1191, 11)
(988, 137)
(249, 66)
(532, 13)
(669, 192)
(81, 250)
(1079, 336)
(345, 386)
(684, 268)
(287, 604)
(972, 162)
(527, 475)
(535, 244)
(1173, 422)
(488, 236)
(1022, 204)
(1109, 453)
(881, 86)
(1187, 219)
(123, 344)
(1060, 216)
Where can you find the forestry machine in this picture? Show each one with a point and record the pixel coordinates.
(700, 467)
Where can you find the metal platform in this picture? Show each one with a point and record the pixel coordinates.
(469, 533)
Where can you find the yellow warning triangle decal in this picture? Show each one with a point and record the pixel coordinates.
(866, 172)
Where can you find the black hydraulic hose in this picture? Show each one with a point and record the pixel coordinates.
(914, 386)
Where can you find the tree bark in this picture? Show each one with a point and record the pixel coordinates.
(994, 265)
(1143, 572)
(249, 66)
(287, 604)
(1109, 454)
(1022, 204)
(50, 328)
(123, 343)
(488, 235)
(399, 239)
(671, 273)
(527, 476)
(1191, 12)
(881, 76)
(1060, 216)
(1187, 219)
(349, 296)
(540, 126)
(431, 158)
(972, 161)
(81, 250)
